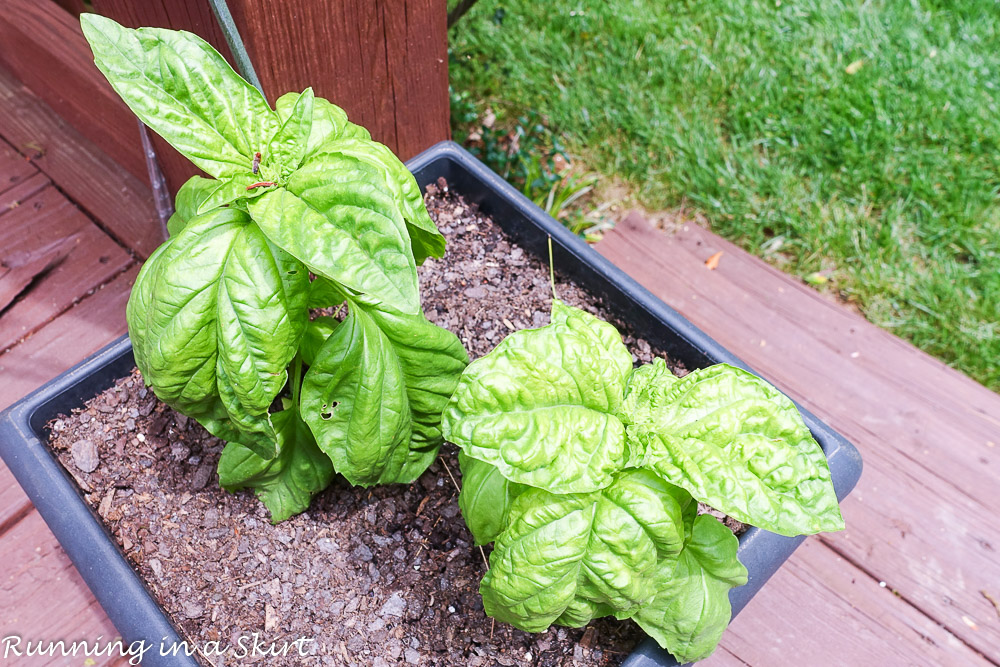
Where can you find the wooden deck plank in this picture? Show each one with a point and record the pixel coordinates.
(117, 200)
(51, 255)
(85, 328)
(18, 194)
(43, 46)
(832, 602)
(919, 518)
(14, 168)
(42, 597)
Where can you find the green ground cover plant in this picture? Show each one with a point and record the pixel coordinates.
(586, 475)
(303, 211)
(853, 143)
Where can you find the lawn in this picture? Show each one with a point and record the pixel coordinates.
(857, 140)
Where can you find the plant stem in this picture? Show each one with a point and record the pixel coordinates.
(296, 380)
(552, 271)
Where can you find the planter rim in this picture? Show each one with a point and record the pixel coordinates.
(123, 594)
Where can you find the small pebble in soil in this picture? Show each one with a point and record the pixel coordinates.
(85, 455)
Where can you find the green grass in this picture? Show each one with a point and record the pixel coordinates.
(887, 178)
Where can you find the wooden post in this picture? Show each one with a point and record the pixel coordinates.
(384, 61)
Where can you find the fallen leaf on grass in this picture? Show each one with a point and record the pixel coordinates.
(854, 67)
(712, 263)
(816, 279)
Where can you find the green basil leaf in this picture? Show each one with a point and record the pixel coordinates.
(186, 92)
(352, 241)
(604, 548)
(541, 406)
(287, 147)
(229, 190)
(188, 201)
(606, 343)
(218, 316)
(329, 122)
(324, 293)
(689, 614)
(432, 359)
(354, 400)
(485, 498)
(425, 239)
(644, 394)
(317, 332)
(286, 483)
(738, 444)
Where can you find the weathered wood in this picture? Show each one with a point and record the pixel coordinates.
(916, 520)
(13, 197)
(120, 202)
(95, 321)
(818, 610)
(14, 168)
(52, 254)
(385, 62)
(42, 597)
(74, 7)
(43, 46)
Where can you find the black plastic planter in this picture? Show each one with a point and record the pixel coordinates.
(122, 593)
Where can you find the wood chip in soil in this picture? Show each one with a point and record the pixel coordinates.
(379, 576)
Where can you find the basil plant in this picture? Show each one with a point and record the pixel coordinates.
(586, 475)
(303, 210)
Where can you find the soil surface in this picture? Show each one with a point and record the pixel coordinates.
(377, 577)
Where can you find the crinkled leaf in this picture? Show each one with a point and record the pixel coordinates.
(599, 551)
(185, 91)
(217, 317)
(287, 147)
(286, 483)
(188, 201)
(606, 343)
(485, 498)
(541, 406)
(425, 238)
(432, 359)
(738, 444)
(348, 236)
(354, 400)
(691, 611)
(647, 386)
(329, 122)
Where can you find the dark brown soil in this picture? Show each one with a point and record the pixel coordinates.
(374, 577)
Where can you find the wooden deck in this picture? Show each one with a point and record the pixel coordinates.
(911, 581)
(73, 228)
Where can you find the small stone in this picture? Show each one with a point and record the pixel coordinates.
(327, 545)
(270, 619)
(476, 292)
(362, 552)
(411, 656)
(156, 566)
(85, 455)
(201, 476)
(394, 606)
(193, 609)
